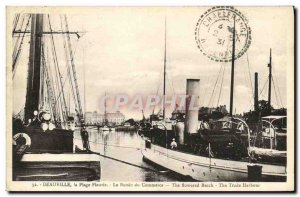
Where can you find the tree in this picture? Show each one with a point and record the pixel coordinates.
(130, 121)
(264, 108)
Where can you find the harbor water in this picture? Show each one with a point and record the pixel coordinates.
(121, 146)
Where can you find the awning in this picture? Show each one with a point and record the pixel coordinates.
(273, 117)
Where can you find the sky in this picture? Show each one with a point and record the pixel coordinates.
(122, 52)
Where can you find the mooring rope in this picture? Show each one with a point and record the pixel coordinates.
(111, 144)
(122, 161)
(125, 162)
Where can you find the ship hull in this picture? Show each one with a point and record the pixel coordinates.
(209, 169)
(125, 128)
(107, 129)
(57, 167)
(55, 141)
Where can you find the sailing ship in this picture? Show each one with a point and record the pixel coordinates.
(269, 141)
(105, 127)
(43, 146)
(207, 152)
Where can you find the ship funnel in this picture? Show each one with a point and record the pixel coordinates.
(192, 105)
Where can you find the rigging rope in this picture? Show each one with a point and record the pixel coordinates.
(171, 85)
(277, 86)
(156, 94)
(125, 162)
(227, 47)
(221, 86)
(276, 96)
(129, 147)
(18, 38)
(206, 89)
(21, 111)
(49, 83)
(249, 72)
(249, 88)
(17, 53)
(71, 66)
(264, 86)
(80, 114)
(212, 94)
(68, 72)
(15, 22)
(58, 71)
(119, 160)
(42, 79)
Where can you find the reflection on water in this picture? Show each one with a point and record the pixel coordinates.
(124, 146)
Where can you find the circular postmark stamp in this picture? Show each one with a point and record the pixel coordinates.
(214, 33)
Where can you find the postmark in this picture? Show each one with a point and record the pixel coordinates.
(214, 33)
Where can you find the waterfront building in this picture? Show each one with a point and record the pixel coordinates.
(115, 118)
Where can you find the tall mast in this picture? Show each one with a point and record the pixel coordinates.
(256, 91)
(105, 110)
(165, 64)
(270, 79)
(84, 83)
(232, 68)
(34, 69)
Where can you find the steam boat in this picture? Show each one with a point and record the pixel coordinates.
(226, 149)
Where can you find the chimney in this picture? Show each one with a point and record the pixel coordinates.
(256, 91)
(191, 119)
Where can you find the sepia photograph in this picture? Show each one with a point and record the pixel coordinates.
(150, 98)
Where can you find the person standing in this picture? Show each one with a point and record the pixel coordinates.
(173, 144)
(85, 138)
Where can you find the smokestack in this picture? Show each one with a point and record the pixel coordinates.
(256, 91)
(192, 92)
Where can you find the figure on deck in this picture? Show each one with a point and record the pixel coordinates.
(85, 138)
(173, 144)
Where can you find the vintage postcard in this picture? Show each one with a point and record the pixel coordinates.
(150, 99)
